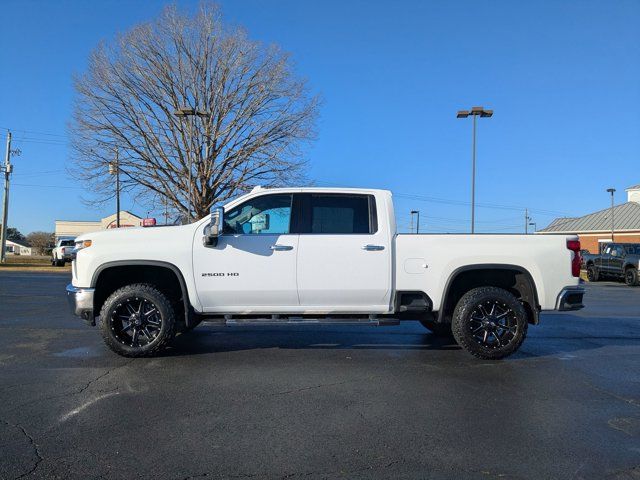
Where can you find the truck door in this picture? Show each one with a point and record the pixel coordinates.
(616, 260)
(344, 256)
(602, 260)
(253, 267)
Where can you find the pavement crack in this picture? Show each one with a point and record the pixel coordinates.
(630, 401)
(102, 375)
(34, 446)
(312, 387)
(76, 391)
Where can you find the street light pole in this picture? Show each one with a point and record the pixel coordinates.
(190, 112)
(612, 191)
(474, 112)
(473, 177)
(114, 169)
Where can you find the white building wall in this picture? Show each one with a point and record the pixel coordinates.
(633, 195)
(71, 228)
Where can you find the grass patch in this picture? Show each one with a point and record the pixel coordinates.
(31, 263)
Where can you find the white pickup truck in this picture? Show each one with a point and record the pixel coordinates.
(62, 252)
(313, 255)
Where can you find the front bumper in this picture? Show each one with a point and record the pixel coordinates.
(570, 298)
(81, 302)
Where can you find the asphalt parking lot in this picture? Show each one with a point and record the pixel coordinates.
(317, 401)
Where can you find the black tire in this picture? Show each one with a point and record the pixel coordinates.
(60, 263)
(489, 323)
(151, 324)
(437, 328)
(592, 273)
(53, 262)
(631, 276)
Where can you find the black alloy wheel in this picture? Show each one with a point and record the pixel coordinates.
(493, 324)
(137, 320)
(489, 322)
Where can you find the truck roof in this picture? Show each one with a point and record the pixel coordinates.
(318, 189)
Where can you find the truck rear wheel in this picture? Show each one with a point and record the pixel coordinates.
(489, 322)
(137, 320)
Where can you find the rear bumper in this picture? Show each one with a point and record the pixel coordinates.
(81, 302)
(570, 298)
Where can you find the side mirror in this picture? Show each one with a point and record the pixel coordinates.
(215, 227)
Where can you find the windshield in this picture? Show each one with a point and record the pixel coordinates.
(67, 243)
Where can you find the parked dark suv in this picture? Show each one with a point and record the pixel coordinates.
(617, 260)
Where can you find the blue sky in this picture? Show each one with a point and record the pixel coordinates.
(563, 78)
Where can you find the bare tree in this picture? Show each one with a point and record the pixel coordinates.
(254, 113)
(41, 242)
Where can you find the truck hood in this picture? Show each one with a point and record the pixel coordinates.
(134, 234)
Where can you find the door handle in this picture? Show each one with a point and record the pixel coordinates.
(372, 248)
(280, 248)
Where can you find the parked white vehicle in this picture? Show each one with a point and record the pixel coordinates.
(318, 254)
(63, 252)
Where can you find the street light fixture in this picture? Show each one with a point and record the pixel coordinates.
(184, 112)
(416, 212)
(612, 191)
(474, 112)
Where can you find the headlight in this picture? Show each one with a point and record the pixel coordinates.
(82, 244)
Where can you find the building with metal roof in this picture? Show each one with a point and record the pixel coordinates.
(596, 228)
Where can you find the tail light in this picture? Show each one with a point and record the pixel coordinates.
(574, 246)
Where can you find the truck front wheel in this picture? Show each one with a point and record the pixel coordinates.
(489, 322)
(137, 320)
(631, 276)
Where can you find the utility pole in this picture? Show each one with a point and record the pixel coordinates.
(5, 202)
(527, 219)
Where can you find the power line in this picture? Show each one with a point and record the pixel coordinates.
(427, 198)
(46, 186)
(34, 132)
(43, 142)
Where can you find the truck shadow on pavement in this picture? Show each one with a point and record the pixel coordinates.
(562, 335)
(212, 339)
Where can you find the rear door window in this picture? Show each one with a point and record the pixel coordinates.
(340, 214)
